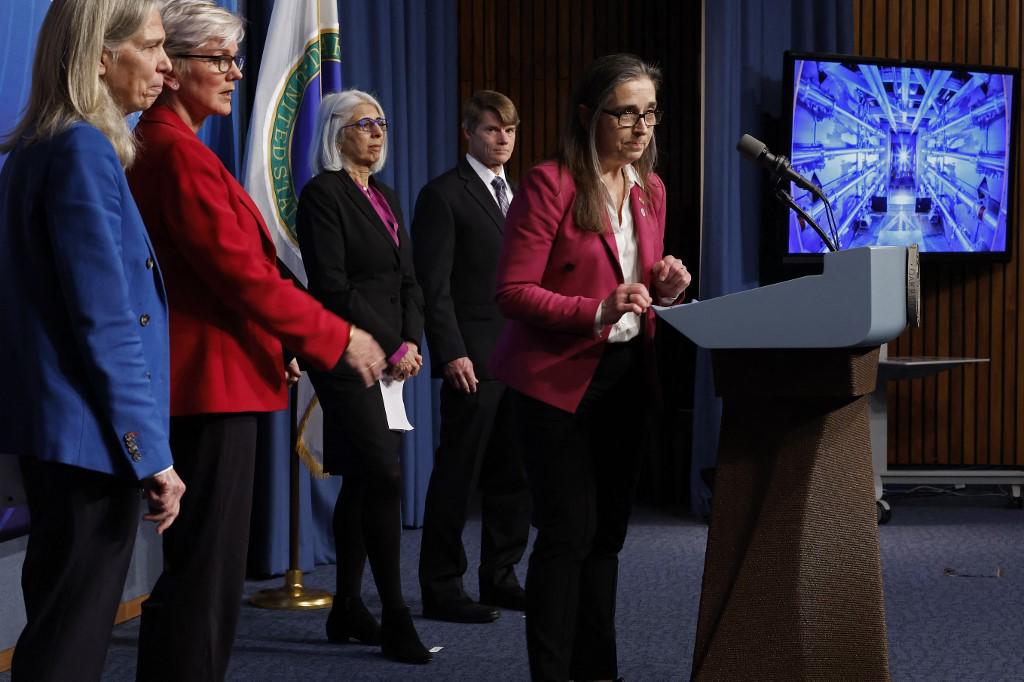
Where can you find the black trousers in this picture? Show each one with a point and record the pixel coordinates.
(188, 623)
(582, 470)
(83, 526)
(367, 516)
(477, 448)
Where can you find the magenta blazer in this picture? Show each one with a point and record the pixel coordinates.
(552, 276)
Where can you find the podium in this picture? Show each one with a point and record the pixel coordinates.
(792, 585)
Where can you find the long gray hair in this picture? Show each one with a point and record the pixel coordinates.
(66, 84)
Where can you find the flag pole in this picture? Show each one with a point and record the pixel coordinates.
(301, 57)
(293, 595)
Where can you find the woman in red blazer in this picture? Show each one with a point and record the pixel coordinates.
(230, 310)
(582, 254)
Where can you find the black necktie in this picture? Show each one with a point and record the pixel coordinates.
(499, 193)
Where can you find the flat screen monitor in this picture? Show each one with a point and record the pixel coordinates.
(907, 152)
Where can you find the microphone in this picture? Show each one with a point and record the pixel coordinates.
(777, 165)
(782, 171)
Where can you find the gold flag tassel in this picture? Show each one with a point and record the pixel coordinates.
(311, 454)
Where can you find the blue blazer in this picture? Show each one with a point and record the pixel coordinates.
(83, 315)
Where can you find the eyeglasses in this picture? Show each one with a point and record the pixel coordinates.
(629, 118)
(364, 124)
(222, 61)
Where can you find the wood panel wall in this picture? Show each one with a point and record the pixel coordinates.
(970, 416)
(534, 51)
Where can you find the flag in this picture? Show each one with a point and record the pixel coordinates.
(301, 63)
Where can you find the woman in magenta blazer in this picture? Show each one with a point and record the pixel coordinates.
(230, 311)
(580, 265)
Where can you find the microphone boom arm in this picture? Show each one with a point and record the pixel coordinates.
(783, 196)
(782, 174)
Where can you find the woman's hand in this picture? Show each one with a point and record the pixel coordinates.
(163, 495)
(292, 373)
(418, 358)
(627, 298)
(365, 356)
(670, 278)
(410, 364)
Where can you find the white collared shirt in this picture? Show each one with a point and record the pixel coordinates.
(487, 175)
(628, 326)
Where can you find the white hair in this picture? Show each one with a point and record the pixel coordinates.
(334, 113)
(191, 24)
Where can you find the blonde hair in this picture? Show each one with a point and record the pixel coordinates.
(66, 83)
(334, 112)
(488, 100)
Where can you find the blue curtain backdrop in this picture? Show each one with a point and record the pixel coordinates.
(403, 52)
(19, 25)
(743, 42)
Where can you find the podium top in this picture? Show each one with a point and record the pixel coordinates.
(860, 299)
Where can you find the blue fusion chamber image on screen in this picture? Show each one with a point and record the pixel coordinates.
(906, 155)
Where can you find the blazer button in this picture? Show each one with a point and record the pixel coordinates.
(143, 319)
(150, 263)
(394, 299)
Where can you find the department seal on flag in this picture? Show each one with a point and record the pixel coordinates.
(301, 63)
(287, 163)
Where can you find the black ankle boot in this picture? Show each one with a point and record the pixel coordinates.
(349, 619)
(398, 638)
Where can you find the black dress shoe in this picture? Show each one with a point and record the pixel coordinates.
(512, 598)
(398, 638)
(464, 611)
(349, 619)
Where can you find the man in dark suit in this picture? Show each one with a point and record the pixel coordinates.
(457, 233)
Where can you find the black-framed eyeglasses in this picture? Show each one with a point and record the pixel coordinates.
(629, 118)
(365, 124)
(223, 62)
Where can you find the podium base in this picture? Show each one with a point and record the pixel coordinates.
(293, 596)
(792, 584)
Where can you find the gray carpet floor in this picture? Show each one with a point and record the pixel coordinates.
(954, 582)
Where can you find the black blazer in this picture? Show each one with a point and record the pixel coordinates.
(353, 265)
(457, 230)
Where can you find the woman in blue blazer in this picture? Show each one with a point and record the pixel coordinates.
(82, 310)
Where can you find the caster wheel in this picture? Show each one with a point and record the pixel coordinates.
(884, 512)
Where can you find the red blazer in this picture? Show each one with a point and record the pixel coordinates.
(230, 309)
(552, 276)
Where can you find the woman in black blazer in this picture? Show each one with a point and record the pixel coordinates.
(358, 260)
